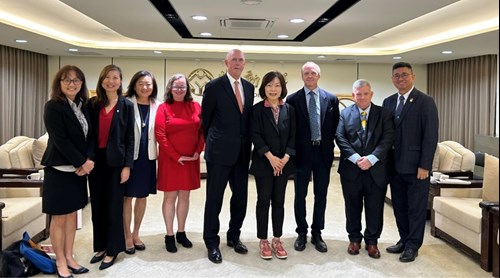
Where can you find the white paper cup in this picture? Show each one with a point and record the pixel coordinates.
(34, 176)
(42, 174)
(436, 175)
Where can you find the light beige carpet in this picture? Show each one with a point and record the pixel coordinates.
(436, 258)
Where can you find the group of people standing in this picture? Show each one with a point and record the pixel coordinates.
(116, 139)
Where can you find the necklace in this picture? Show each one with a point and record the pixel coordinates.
(143, 120)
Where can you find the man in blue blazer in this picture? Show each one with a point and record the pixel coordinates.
(365, 135)
(416, 135)
(226, 112)
(317, 117)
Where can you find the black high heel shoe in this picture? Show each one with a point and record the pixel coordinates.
(105, 265)
(96, 258)
(80, 270)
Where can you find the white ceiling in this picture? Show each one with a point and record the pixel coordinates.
(370, 31)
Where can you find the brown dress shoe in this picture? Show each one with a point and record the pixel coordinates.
(373, 251)
(353, 248)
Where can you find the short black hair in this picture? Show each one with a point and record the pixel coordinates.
(402, 65)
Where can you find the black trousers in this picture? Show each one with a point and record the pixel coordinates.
(217, 178)
(321, 180)
(270, 192)
(363, 191)
(409, 201)
(106, 199)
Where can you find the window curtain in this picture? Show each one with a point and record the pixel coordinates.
(465, 95)
(23, 92)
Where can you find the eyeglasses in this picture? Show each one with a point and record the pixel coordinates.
(404, 76)
(69, 81)
(180, 88)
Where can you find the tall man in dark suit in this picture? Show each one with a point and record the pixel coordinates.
(317, 116)
(365, 135)
(416, 135)
(226, 112)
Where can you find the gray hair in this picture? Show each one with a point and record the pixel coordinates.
(360, 83)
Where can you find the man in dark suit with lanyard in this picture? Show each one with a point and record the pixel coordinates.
(365, 135)
(317, 116)
(226, 112)
(416, 126)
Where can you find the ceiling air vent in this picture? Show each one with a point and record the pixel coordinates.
(246, 23)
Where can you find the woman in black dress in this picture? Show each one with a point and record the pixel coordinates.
(142, 92)
(66, 164)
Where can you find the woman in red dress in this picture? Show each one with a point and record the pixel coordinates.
(180, 138)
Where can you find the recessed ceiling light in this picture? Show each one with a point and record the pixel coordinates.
(205, 34)
(447, 52)
(397, 57)
(157, 52)
(73, 50)
(321, 57)
(21, 41)
(199, 17)
(282, 36)
(251, 2)
(296, 20)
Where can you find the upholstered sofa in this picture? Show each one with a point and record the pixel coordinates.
(20, 199)
(453, 159)
(463, 220)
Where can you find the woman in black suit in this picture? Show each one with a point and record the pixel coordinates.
(112, 145)
(66, 164)
(273, 137)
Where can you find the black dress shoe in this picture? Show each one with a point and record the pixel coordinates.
(105, 265)
(238, 246)
(130, 251)
(140, 247)
(300, 242)
(396, 249)
(214, 255)
(408, 255)
(80, 270)
(96, 258)
(318, 243)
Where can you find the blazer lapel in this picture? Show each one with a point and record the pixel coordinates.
(282, 117)
(301, 95)
(71, 114)
(268, 113)
(373, 119)
(408, 104)
(323, 102)
(136, 113)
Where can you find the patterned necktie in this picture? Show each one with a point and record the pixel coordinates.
(313, 117)
(238, 96)
(400, 107)
(363, 119)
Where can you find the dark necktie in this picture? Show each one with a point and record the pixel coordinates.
(313, 117)
(400, 107)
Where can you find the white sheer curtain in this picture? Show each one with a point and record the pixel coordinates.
(23, 92)
(465, 94)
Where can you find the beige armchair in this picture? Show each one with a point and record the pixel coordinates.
(21, 210)
(464, 221)
(453, 159)
(20, 199)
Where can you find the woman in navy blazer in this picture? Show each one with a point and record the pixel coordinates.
(273, 136)
(112, 146)
(66, 164)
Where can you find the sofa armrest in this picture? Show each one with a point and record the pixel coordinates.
(16, 172)
(21, 183)
(454, 174)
